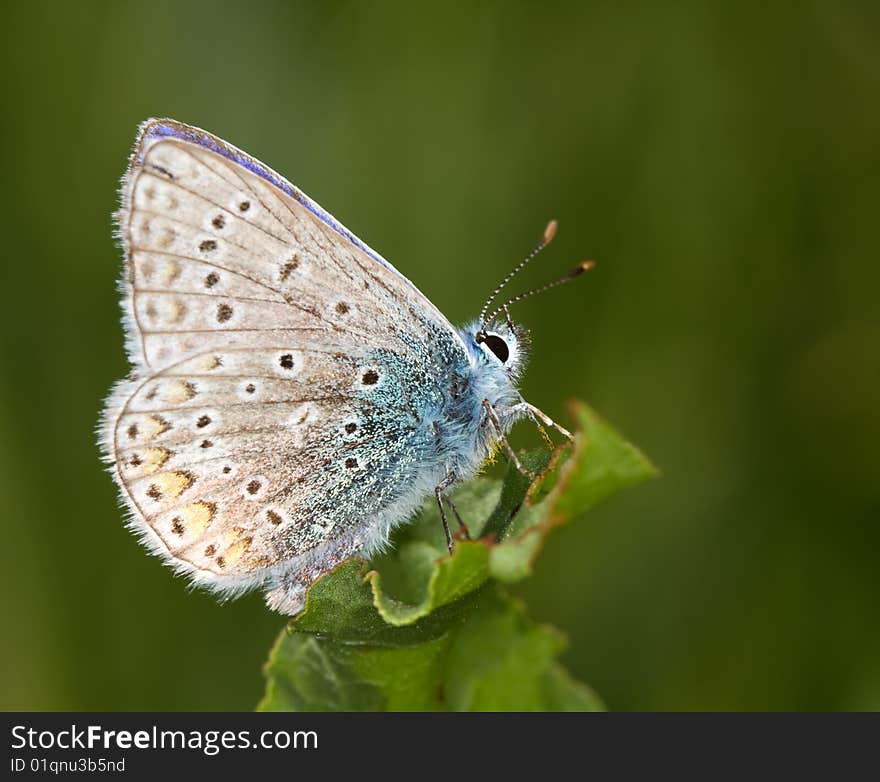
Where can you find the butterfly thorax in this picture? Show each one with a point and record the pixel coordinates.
(465, 435)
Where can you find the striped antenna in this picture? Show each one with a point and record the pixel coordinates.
(576, 272)
(549, 233)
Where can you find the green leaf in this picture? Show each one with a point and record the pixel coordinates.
(420, 629)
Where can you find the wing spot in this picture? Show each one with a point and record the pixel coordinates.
(253, 486)
(206, 444)
(149, 428)
(203, 421)
(210, 550)
(208, 245)
(172, 269)
(151, 459)
(274, 518)
(238, 549)
(351, 462)
(342, 308)
(170, 484)
(370, 377)
(288, 268)
(212, 279)
(250, 388)
(286, 361)
(145, 267)
(180, 391)
(227, 469)
(173, 310)
(177, 526)
(189, 389)
(244, 206)
(167, 238)
(219, 222)
(197, 516)
(221, 563)
(350, 428)
(224, 312)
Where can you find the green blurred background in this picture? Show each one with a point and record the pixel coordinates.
(720, 161)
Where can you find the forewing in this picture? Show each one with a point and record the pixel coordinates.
(276, 356)
(219, 255)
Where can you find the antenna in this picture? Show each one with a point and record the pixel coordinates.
(549, 233)
(576, 272)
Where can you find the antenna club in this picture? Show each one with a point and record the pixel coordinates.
(550, 231)
(573, 274)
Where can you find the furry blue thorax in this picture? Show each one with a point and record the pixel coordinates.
(495, 363)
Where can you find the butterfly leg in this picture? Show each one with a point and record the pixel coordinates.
(499, 430)
(544, 436)
(461, 524)
(439, 494)
(533, 413)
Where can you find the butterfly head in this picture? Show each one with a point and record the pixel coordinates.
(503, 343)
(499, 345)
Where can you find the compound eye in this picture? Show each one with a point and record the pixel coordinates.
(498, 346)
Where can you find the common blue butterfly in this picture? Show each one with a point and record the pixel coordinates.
(293, 396)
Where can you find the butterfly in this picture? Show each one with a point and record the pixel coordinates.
(293, 397)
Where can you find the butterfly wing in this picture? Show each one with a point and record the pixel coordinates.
(274, 423)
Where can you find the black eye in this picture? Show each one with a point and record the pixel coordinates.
(498, 346)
